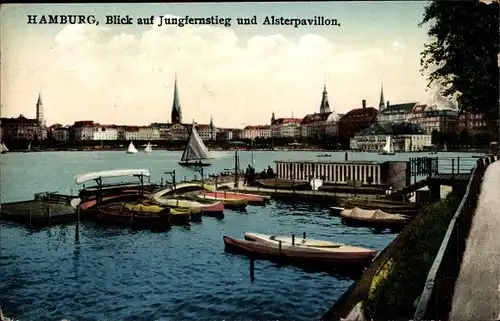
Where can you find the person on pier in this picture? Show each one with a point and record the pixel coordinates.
(270, 172)
(247, 175)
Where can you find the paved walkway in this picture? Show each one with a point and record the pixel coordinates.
(477, 289)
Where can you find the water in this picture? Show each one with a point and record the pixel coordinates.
(181, 274)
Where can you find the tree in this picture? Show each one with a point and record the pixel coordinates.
(462, 54)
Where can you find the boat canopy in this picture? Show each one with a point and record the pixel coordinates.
(82, 178)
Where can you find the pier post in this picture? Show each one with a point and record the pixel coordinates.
(29, 218)
(452, 166)
(48, 214)
(458, 165)
(161, 182)
(279, 248)
(77, 232)
(304, 236)
(293, 239)
(345, 156)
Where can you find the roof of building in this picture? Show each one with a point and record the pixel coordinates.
(258, 127)
(281, 121)
(353, 114)
(391, 129)
(398, 108)
(17, 120)
(309, 118)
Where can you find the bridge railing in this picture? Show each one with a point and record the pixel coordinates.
(435, 301)
(456, 165)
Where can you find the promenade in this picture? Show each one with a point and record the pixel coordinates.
(477, 289)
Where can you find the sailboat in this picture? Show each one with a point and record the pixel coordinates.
(445, 148)
(195, 150)
(148, 148)
(389, 147)
(131, 148)
(3, 148)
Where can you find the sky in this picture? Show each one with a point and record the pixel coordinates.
(239, 75)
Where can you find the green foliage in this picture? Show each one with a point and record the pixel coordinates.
(462, 54)
(412, 259)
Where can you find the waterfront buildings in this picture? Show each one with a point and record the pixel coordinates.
(325, 123)
(406, 137)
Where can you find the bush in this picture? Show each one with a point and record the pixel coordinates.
(412, 259)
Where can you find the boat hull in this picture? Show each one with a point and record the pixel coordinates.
(293, 253)
(210, 209)
(233, 203)
(251, 199)
(194, 164)
(133, 219)
(393, 224)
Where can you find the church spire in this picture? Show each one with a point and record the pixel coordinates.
(176, 106)
(325, 106)
(211, 122)
(381, 105)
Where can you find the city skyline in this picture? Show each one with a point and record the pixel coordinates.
(125, 74)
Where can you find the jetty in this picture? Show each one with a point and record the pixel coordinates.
(46, 209)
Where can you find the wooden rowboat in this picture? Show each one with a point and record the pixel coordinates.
(373, 218)
(117, 213)
(251, 198)
(265, 245)
(234, 203)
(215, 208)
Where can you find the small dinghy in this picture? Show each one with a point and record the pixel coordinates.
(251, 198)
(234, 203)
(373, 217)
(298, 249)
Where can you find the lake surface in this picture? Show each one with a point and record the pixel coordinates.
(181, 274)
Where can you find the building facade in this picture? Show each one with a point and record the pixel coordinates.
(285, 127)
(398, 113)
(20, 128)
(357, 120)
(259, 131)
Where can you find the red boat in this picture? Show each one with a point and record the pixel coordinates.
(251, 198)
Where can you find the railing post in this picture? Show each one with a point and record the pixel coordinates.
(452, 166)
(458, 165)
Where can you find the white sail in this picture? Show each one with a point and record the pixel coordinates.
(29, 147)
(445, 149)
(148, 148)
(388, 148)
(3, 148)
(195, 148)
(131, 149)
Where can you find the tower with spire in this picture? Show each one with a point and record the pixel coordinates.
(325, 106)
(212, 128)
(176, 116)
(273, 119)
(381, 105)
(39, 117)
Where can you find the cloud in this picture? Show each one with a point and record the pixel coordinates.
(90, 72)
(398, 46)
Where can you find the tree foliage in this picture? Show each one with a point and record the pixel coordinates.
(462, 54)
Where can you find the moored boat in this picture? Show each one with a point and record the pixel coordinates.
(234, 203)
(386, 205)
(215, 208)
(118, 213)
(375, 218)
(251, 198)
(178, 215)
(267, 245)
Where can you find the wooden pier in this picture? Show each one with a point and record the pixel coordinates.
(43, 211)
